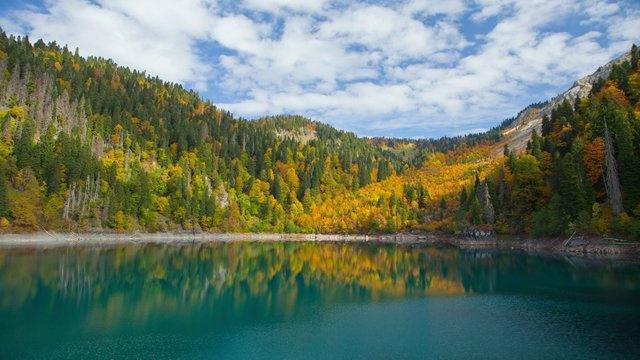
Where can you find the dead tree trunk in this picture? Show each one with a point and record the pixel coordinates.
(611, 180)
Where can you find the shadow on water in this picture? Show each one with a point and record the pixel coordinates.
(73, 296)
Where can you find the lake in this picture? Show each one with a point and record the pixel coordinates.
(294, 300)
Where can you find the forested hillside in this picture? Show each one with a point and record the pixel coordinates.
(416, 151)
(88, 145)
(581, 174)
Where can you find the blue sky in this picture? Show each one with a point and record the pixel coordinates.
(415, 68)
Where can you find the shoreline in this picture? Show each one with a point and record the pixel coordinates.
(579, 245)
(54, 239)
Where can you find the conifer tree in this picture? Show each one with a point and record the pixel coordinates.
(463, 198)
(4, 201)
(476, 211)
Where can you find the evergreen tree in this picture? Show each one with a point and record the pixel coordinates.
(572, 187)
(536, 145)
(443, 207)
(551, 219)
(476, 211)
(26, 154)
(527, 193)
(463, 198)
(4, 201)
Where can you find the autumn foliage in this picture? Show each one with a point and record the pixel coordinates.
(88, 145)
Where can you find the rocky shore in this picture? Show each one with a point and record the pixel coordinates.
(576, 245)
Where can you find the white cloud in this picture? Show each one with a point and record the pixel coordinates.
(599, 10)
(435, 7)
(490, 8)
(297, 59)
(625, 27)
(240, 33)
(413, 66)
(397, 36)
(276, 6)
(517, 54)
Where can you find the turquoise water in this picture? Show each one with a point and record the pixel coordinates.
(310, 300)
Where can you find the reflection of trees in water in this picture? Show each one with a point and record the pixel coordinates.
(74, 281)
(257, 279)
(194, 273)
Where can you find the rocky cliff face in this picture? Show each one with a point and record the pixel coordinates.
(519, 132)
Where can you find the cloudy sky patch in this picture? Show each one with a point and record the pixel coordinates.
(416, 68)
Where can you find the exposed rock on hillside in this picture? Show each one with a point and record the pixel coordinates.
(519, 132)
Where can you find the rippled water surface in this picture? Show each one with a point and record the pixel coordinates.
(320, 300)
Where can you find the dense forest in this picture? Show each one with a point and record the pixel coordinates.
(88, 145)
(580, 174)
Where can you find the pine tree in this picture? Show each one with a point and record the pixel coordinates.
(4, 201)
(476, 211)
(463, 198)
(536, 145)
(443, 207)
(26, 154)
(628, 167)
(572, 187)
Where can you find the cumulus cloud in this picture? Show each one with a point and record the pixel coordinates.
(414, 67)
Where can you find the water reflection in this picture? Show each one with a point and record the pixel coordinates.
(135, 282)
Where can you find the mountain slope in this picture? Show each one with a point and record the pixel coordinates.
(578, 171)
(516, 136)
(552, 183)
